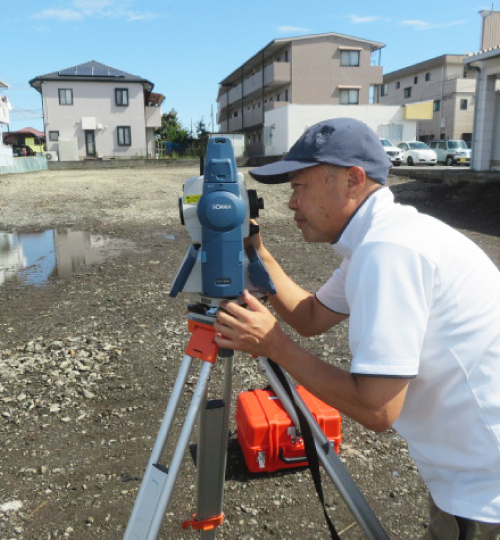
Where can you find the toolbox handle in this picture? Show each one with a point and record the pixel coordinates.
(290, 460)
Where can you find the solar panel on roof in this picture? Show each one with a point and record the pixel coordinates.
(83, 71)
(101, 71)
(69, 71)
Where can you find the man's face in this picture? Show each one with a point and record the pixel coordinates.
(320, 203)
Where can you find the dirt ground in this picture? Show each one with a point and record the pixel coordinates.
(87, 364)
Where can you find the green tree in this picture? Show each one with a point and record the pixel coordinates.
(202, 134)
(171, 128)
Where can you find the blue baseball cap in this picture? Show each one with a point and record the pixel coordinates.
(344, 142)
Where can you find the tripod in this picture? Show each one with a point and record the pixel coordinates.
(158, 481)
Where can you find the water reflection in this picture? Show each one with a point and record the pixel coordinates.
(35, 258)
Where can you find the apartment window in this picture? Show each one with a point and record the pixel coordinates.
(407, 92)
(349, 97)
(398, 85)
(286, 95)
(384, 90)
(349, 58)
(463, 104)
(65, 96)
(428, 76)
(437, 105)
(53, 136)
(415, 79)
(121, 97)
(124, 136)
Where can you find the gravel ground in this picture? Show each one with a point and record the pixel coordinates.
(86, 366)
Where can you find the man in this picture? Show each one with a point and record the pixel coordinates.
(423, 304)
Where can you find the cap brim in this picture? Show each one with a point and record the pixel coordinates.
(278, 172)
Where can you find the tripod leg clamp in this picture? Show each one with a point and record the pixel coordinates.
(204, 524)
(202, 345)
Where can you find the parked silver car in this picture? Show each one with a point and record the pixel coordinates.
(417, 153)
(451, 152)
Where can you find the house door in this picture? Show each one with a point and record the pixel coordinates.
(90, 143)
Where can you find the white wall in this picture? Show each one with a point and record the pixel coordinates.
(96, 100)
(283, 126)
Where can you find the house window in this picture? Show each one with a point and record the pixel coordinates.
(124, 136)
(349, 97)
(437, 105)
(349, 58)
(53, 136)
(428, 76)
(408, 92)
(121, 97)
(398, 85)
(463, 104)
(415, 79)
(65, 96)
(384, 90)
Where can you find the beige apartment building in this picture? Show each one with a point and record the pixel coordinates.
(444, 80)
(321, 69)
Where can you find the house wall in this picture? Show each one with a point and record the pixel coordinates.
(317, 73)
(96, 100)
(448, 82)
(285, 125)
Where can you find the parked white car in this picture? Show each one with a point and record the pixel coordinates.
(394, 153)
(451, 152)
(417, 153)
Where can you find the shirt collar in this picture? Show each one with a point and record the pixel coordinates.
(360, 222)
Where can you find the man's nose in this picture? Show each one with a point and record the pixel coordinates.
(292, 203)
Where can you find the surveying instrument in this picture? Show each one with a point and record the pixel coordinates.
(216, 208)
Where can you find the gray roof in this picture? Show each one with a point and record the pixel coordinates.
(90, 71)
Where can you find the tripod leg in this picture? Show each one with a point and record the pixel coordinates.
(212, 456)
(158, 483)
(332, 464)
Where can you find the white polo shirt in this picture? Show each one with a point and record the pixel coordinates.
(424, 302)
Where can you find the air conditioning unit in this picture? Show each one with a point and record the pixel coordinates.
(51, 156)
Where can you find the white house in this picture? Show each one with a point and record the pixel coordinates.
(283, 126)
(6, 159)
(92, 110)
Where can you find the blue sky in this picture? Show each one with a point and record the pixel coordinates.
(186, 47)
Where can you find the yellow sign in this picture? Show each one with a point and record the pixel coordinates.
(192, 199)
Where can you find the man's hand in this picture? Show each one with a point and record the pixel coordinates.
(254, 330)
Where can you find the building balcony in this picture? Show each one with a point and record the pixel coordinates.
(276, 74)
(153, 117)
(4, 113)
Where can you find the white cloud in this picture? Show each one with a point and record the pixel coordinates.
(356, 19)
(424, 25)
(291, 29)
(59, 14)
(81, 9)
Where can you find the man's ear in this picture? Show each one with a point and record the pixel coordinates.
(357, 179)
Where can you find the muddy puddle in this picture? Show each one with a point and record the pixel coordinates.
(37, 258)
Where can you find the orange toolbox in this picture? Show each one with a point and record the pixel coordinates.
(267, 436)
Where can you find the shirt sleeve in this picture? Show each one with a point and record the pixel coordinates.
(332, 293)
(390, 290)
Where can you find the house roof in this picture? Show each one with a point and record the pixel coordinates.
(16, 137)
(437, 61)
(277, 44)
(90, 71)
(483, 55)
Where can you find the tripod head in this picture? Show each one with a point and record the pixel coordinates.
(216, 209)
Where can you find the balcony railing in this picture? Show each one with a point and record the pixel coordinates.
(153, 117)
(276, 74)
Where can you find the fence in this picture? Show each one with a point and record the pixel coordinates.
(17, 165)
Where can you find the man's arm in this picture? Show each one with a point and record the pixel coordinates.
(374, 402)
(296, 306)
